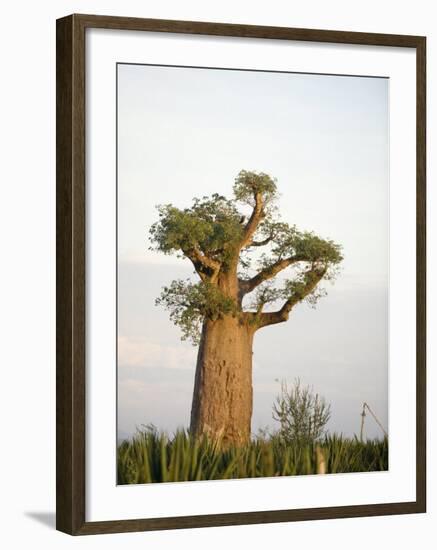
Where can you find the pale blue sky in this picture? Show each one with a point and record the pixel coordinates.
(188, 132)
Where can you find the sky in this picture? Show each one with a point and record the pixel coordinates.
(187, 132)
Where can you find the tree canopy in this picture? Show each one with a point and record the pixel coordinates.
(243, 239)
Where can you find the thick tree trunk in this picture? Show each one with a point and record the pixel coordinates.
(222, 399)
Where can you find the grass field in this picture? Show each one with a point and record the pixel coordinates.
(151, 457)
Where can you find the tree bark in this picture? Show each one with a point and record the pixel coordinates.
(222, 399)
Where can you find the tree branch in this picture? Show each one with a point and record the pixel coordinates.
(268, 273)
(207, 268)
(255, 218)
(261, 243)
(271, 318)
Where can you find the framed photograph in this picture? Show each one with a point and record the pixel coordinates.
(240, 274)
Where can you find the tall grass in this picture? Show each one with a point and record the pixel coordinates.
(151, 457)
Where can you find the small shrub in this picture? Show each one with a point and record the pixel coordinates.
(302, 414)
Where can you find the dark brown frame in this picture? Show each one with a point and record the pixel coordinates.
(70, 274)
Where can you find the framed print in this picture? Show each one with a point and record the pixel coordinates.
(240, 274)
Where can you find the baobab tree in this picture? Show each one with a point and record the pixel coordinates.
(237, 292)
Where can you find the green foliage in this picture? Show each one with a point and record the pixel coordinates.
(213, 233)
(296, 288)
(211, 225)
(190, 303)
(247, 184)
(151, 457)
(289, 242)
(314, 256)
(266, 294)
(302, 414)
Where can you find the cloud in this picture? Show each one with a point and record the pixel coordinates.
(137, 352)
(146, 258)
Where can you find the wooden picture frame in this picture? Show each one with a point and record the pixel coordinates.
(71, 283)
